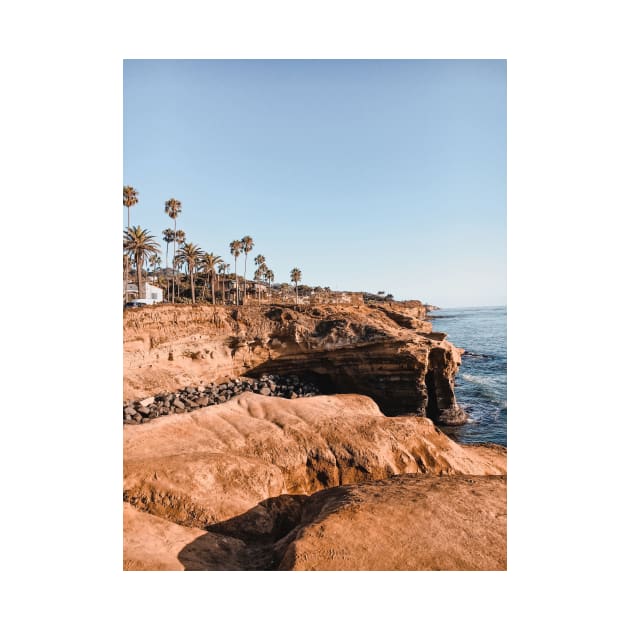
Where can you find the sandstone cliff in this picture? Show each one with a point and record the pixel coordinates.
(386, 351)
(338, 481)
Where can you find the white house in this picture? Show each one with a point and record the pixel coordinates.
(153, 294)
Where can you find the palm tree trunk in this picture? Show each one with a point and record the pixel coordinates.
(139, 263)
(192, 285)
(212, 288)
(126, 279)
(127, 260)
(174, 248)
(167, 283)
(236, 280)
(245, 281)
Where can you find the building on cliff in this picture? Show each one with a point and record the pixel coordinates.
(151, 293)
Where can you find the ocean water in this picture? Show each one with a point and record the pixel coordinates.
(481, 384)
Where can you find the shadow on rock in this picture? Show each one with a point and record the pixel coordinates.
(259, 529)
(259, 538)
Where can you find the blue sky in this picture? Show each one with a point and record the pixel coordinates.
(367, 175)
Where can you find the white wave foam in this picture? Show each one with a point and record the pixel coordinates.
(488, 381)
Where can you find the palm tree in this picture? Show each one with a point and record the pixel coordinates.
(296, 276)
(257, 278)
(235, 250)
(259, 261)
(138, 243)
(155, 261)
(130, 198)
(248, 245)
(180, 239)
(269, 277)
(191, 255)
(224, 268)
(169, 237)
(173, 208)
(209, 261)
(221, 270)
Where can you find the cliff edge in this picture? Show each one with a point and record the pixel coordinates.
(386, 351)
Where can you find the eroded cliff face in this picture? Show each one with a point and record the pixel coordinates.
(388, 352)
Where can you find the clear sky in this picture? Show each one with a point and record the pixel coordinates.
(367, 175)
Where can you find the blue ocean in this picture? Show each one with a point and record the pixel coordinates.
(481, 384)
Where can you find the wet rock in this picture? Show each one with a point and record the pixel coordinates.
(453, 416)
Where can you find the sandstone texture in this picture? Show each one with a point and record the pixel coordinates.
(387, 351)
(406, 523)
(229, 486)
(272, 437)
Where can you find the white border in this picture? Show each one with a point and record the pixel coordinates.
(567, 188)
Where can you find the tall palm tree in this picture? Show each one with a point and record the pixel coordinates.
(235, 250)
(269, 277)
(259, 261)
(221, 270)
(191, 255)
(226, 271)
(139, 243)
(296, 276)
(248, 244)
(180, 239)
(258, 276)
(209, 261)
(130, 198)
(169, 237)
(155, 261)
(173, 208)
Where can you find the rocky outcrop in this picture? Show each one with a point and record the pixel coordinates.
(407, 523)
(200, 468)
(238, 486)
(386, 351)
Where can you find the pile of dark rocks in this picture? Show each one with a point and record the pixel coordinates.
(190, 398)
